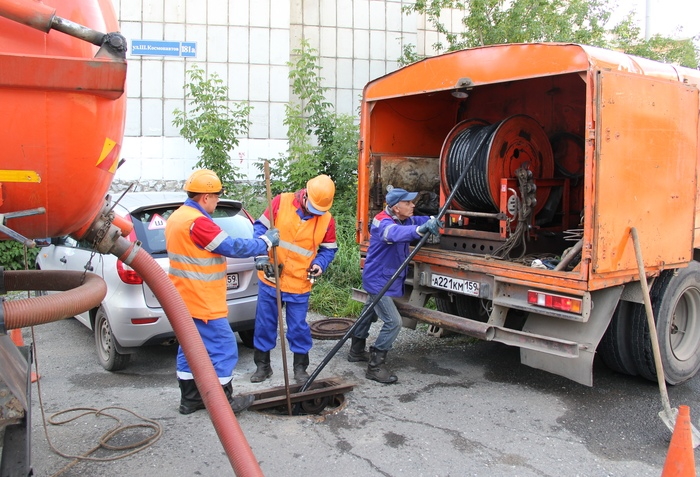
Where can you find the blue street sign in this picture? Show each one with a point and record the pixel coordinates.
(164, 48)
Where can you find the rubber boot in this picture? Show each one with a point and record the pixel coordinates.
(358, 351)
(238, 403)
(262, 361)
(376, 369)
(301, 362)
(190, 399)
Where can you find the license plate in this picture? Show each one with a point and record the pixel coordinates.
(456, 285)
(231, 281)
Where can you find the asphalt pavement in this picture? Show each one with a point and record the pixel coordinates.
(461, 408)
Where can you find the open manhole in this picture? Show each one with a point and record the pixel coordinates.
(325, 396)
(331, 328)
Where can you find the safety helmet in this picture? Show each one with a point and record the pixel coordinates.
(203, 181)
(319, 193)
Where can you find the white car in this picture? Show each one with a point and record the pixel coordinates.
(130, 316)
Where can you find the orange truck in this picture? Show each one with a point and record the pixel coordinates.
(568, 149)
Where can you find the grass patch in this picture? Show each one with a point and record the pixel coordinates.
(331, 294)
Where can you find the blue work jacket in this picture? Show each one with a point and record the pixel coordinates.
(389, 239)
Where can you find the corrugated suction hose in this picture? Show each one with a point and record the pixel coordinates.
(227, 428)
(81, 292)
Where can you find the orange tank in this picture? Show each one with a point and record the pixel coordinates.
(62, 112)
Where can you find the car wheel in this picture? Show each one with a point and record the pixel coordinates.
(107, 354)
(247, 338)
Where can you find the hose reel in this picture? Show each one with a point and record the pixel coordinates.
(518, 141)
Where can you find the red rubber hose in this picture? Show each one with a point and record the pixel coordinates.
(227, 428)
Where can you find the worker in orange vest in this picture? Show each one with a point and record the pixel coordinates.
(197, 248)
(307, 247)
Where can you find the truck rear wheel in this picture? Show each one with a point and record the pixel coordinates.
(445, 303)
(675, 299)
(616, 346)
(472, 308)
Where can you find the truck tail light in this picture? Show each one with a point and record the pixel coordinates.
(556, 302)
(128, 275)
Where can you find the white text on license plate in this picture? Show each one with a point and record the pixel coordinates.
(231, 281)
(456, 285)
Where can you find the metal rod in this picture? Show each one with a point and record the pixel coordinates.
(78, 31)
(278, 292)
(566, 259)
(369, 308)
(653, 337)
(467, 213)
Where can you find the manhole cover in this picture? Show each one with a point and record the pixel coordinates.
(330, 329)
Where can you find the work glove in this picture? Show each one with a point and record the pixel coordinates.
(433, 226)
(263, 264)
(271, 238)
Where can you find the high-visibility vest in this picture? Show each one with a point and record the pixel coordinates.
(199, 275)
(299, 242)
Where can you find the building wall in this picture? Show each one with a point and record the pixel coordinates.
(248, 43)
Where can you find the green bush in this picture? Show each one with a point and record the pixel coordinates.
(213, 126)
(15, 256)
(322, 142)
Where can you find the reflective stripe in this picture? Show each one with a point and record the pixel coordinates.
(376, 222)
(205, 277)
(296, 249)
(329, 245)
(203, 262)
(220, 237)
(264, 220)
(187, 376)
(386, 232)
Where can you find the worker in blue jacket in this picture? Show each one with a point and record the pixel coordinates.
(391, 232)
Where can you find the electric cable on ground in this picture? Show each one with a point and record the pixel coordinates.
(106, 437)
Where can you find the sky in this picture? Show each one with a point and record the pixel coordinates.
(666, 16)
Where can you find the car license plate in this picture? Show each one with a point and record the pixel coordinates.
(231, 281)
(457, 285)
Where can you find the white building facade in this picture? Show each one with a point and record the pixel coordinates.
(248, 43)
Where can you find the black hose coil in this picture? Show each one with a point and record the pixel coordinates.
(474, 192)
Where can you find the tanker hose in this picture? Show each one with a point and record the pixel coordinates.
(227, 428)
(80, 292)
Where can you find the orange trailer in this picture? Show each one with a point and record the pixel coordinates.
(581, 145)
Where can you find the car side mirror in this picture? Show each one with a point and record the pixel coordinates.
(42, 242)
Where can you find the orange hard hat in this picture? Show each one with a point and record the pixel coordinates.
(203, 181)
(320, 192)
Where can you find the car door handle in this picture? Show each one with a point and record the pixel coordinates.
(62, 260)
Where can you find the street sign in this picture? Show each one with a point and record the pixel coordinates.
(187, 49)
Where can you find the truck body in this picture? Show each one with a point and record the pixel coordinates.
(568, 148)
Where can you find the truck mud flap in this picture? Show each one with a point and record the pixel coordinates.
(587, 335)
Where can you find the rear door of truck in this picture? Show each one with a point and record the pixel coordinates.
(645, 173)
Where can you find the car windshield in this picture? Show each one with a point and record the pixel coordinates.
(149, 225)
